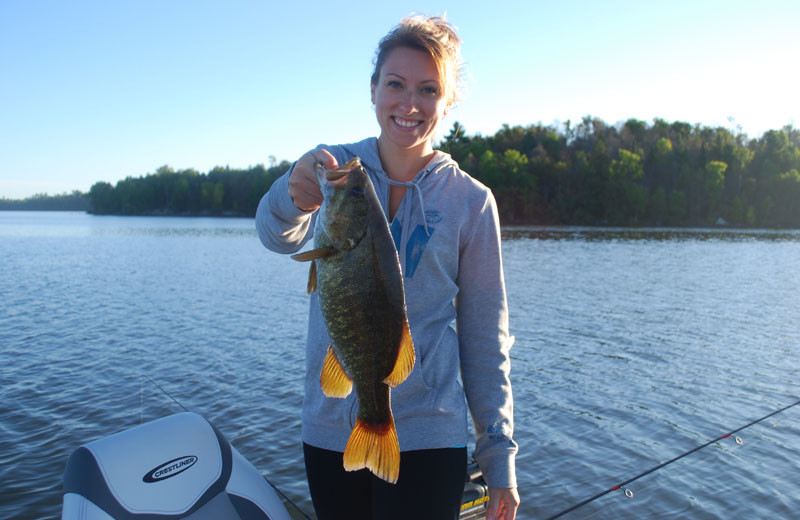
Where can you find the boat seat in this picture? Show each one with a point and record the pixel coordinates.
(177, 467)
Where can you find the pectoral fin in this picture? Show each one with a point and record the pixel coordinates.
(405, 359)
(333, 380)
(313, 254)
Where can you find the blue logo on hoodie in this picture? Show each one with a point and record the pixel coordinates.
(416, 241)
(432, 217)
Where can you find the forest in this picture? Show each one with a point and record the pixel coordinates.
(220, 192)
(75, 201)
(634, 173)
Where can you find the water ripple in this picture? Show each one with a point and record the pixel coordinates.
(633, 346)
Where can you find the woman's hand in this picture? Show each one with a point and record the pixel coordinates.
(303, 183)
(503, 504)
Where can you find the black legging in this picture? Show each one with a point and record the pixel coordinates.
(430, 486)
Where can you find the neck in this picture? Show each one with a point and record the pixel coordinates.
(402, 164)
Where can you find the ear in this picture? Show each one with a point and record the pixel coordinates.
(372, 91)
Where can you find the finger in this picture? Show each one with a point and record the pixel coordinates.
(304, 184)
(508, 511)
(308, 197)
(305, 194)
(313, 196)
(326, 158)
(491, 512)
(501, 511)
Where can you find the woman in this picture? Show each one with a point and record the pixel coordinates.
(446, 229)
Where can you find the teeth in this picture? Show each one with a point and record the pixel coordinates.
(405, 123)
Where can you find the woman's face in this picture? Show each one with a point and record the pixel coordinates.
(409, 99)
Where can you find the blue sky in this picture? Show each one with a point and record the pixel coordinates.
(102, 90)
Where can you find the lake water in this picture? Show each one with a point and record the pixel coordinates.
(632, 347)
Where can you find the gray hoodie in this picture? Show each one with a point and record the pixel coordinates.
(447, 233)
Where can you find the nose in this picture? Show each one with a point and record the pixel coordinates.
(407, 102)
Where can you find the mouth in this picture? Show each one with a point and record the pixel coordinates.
(406, 123)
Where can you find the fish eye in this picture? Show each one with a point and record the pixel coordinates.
(357, 191)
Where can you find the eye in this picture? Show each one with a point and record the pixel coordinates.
(393, 83)
(357, 191)
(430, 91)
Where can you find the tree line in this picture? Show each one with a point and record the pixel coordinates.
(629, 174)
(635, 173)
(220, 192)
(75, 201)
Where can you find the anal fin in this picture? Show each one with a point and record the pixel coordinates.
(405, 359)
(333, 379)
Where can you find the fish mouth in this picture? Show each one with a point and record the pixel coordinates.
(337, 173)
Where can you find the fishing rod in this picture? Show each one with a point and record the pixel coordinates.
(629, 493)
(287, 499)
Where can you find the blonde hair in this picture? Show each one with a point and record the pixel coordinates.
(433, 35)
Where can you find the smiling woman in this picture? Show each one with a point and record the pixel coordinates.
(444, 225)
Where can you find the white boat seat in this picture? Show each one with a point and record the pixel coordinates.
(177, 467)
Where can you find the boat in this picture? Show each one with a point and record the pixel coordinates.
(181, 466)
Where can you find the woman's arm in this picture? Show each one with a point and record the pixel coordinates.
(484, 344)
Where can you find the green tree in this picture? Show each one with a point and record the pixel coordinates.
(103, 199)
(677, 208)
(626, 198)
(657, 211)
(785, 192)
(714, 184)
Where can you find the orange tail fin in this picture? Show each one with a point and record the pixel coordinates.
(374, 448)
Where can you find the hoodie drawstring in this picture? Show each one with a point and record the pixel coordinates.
(407, 213)
(405, 224)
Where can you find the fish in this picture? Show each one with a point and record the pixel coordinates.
(356, 270)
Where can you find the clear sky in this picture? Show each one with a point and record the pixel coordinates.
(102, 90)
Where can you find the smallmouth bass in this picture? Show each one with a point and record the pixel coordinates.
(355, 268)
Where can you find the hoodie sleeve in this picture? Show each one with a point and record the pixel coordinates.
(484, 344)
(281, 226)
